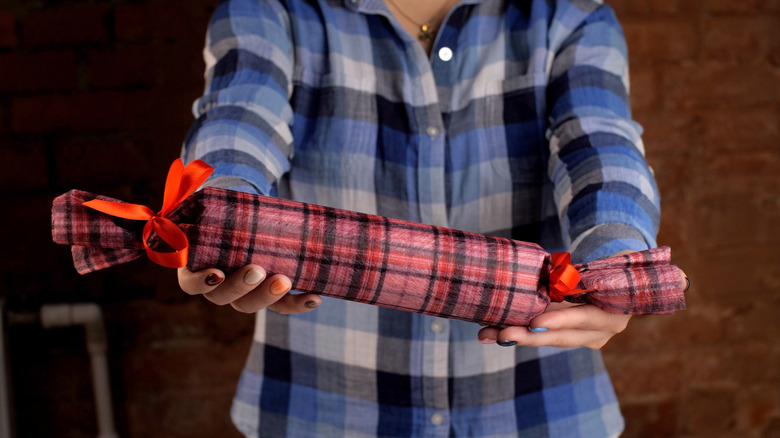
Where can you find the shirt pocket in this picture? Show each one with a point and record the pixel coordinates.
(514, 120)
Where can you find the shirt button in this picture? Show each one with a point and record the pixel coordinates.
(445, 54)
(432, 131)
(437, 326)
(437, 419)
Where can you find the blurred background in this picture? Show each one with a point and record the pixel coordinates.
(96, 95)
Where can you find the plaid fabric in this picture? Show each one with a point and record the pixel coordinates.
(639, 283)
(525, 133)
(375, 260)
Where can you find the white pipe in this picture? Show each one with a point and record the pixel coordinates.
(90, 316)
(5, 406)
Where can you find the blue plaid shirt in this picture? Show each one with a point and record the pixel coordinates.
(517, 125)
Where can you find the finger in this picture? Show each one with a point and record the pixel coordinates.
(685, 280)
(562, 305)
(582, 317)
(236, 285)
(565, 338)
(296, 303)
(264, 294)
(488, 335)
(200, 282)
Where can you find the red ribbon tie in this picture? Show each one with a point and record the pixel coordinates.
(181, 182)
(564, 278)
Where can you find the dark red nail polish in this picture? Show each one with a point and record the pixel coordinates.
(213, 279)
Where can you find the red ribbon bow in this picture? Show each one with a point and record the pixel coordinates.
(564, 278)
(180, 183)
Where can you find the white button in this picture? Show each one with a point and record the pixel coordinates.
(437, 419)
(437, 326)
(445, 54)
(432, 131)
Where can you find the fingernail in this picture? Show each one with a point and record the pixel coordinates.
(487, 340)
(311, 304)
(507, 343)
(213, 279)
(537, 329)
(279, 287)
(687, 284)
(253, 276)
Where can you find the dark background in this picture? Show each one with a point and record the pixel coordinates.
(96, 95)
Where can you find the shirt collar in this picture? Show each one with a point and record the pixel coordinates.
(379, 5)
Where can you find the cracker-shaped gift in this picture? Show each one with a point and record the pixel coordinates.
(355, 256)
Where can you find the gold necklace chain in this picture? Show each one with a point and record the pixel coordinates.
(426, 30)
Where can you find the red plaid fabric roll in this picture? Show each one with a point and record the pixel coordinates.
(372, 259)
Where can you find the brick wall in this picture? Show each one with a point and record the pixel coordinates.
(87, 86)
(705, 81)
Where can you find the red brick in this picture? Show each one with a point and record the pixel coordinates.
(754, 129)
(661, 41)
(193, 414)
(698, 325)
(746, 40)
(710, 412)
(755, 321)
(66, 24)
(171, 21)
(26, 237)
(650, 419)
(181, 364)
(123, 66)
(24, 167)
(724, 6)
(90, 163)
(628, 9)
(646, 364)
(745, 185)
(746, 364)
(757, 405)
(644, 89)
(714, 85)
(772, 430)
(132, 22)
(149, 322)
(181, 67)
(736, 280)
(770, 5)
(7, 29)
(227, 326)
(42, 71)
(668, 133)
(172, 386)
(99, 111)
(171, 66)
(164, 20)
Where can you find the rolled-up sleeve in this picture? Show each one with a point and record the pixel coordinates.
(605, 193)
(242, 125)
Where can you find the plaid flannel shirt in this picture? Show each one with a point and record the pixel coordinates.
(517, 125)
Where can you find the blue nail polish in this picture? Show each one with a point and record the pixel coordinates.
(537, 330)
(507, 343)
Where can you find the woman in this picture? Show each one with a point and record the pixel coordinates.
(508, 118)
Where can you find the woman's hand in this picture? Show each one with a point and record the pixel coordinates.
(562, 325)
(247, 290)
